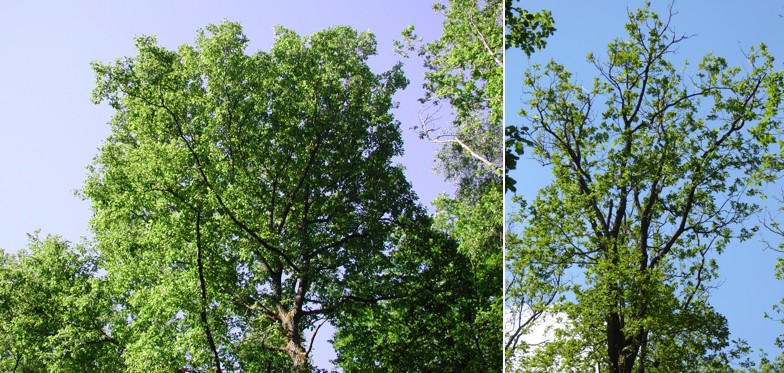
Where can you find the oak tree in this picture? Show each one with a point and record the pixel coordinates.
(239, 198)
(650, 181)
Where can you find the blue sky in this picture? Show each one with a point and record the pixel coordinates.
(748, 287)
(49, 130)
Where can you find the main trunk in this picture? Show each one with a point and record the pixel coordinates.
(622, 349)
(615, 342)
(294, 348)
(298, 357)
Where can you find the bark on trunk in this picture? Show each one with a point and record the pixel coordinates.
(298, 357)
(614, 342)
(622, 350)
(294, 348)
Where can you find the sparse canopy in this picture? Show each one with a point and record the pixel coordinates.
(527, 31)
(650, 182)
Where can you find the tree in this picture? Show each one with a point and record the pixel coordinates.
(54, 312)
(240, 198)
(524, 303)
(465, 69)
(650, 181)
(527, 31)
(464, 73)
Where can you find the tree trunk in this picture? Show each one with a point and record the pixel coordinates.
(294, 348)
(614, 342)
(622, 350)
(298, 357)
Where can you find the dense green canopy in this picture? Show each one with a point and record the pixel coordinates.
(241, 198)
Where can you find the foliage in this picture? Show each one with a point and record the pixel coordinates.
(464, 67)
(527, 31)
(464, 73)
(54, 311)
(650, 172)
(240, 198)
(428, 324)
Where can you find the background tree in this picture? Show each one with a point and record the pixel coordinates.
(465, 69)
(240, 196)
(465, 74)
(54, 311)
(650, 182)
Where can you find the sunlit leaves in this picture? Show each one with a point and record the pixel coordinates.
(55, 312)
(527, 31)
(652, 178)
(241, 195)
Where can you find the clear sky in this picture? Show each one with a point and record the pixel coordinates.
(49, 130)
(748, 288)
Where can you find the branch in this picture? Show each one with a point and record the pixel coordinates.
(474, 154)
(735, 126)
(251, 305)
(335, 244)
(343, 299)
(481, 36)
(517, 333)
(313, 336)
(106, 338)
(454, 139)
(300, 181)
(18, 359)
(203, 288)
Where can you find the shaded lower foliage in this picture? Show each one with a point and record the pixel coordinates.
(428, 321)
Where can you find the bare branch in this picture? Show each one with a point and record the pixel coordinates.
(450, 138)
(313, 336)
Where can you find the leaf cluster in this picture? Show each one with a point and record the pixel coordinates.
(54, 310)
